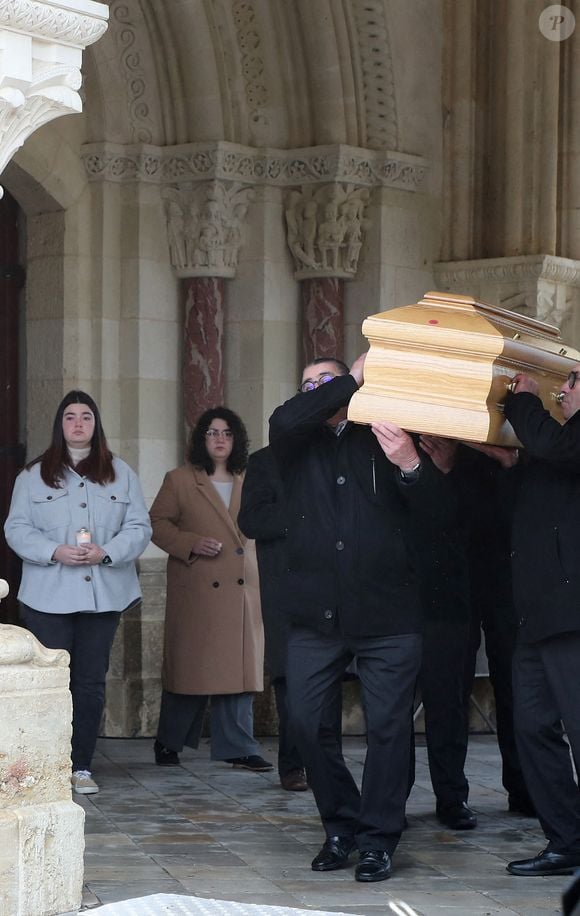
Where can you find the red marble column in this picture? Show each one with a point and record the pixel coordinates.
(322, 318)
(203, 357)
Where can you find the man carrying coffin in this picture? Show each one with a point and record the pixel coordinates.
(350, 586)
(546, 579)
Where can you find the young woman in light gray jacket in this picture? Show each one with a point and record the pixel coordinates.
(78, 521)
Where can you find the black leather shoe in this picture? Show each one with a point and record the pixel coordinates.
(374, 865)
(457, 817)
(254, 763)
(164, 757)
(546, 863)
(521, 805)
(334, 854)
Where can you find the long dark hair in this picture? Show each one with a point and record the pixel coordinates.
(97, 466)
(197, 453)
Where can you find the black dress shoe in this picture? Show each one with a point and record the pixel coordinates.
(457, 817)
(546, 863)
(518, 804)
(374, 865)
(164, 757)
(334, 854)
(252, 762)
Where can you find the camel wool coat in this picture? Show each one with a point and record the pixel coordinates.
(214, 639)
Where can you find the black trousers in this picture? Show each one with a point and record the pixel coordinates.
(88, 639)
(288, 754)
(441, 680)
(387, 668)
(547, 704)
(492, 610)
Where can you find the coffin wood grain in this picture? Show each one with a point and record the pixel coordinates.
(443, 365)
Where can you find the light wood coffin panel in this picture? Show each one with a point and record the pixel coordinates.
(443, 366)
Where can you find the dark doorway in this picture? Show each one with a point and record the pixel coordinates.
(12, 452)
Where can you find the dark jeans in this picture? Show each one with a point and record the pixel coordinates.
(387, 669)
(88, 639)
(547, 704)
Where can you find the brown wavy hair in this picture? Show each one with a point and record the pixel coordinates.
(97, 466)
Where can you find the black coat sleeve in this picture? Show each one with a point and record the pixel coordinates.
(297, 418)
(541, 435)
(262, 514)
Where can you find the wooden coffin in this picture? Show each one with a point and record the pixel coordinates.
(443, 366)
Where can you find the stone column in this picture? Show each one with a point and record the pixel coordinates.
(204, 227)
(41, 829)
(325, 227)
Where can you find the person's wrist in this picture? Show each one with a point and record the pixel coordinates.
(409, 466)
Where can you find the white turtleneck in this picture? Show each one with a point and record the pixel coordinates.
(78, 454)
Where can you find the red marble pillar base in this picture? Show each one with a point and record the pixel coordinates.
(323, 318)
(203, 367)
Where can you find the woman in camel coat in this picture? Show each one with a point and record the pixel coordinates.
(214, 640)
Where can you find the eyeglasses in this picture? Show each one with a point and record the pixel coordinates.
(213, 433)
(310, 384)
(572, 378)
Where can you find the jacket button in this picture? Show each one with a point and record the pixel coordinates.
(340, 545)
(522, 621)
(240, 581)
(239, 551)
(81, 484)
(216, 584)
(113, 498)
(83, 505)
(328, 615)
(341, 480)
(87, 578)
(512, 553)
(49, 497)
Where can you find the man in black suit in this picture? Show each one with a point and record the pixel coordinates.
(546, 579)
(350, 586)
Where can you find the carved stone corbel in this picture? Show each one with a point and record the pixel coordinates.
(40, 75)
(205, 227)
(325, 229)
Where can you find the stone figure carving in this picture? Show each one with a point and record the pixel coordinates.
(20, 647)
(205, 227)
(325, 229)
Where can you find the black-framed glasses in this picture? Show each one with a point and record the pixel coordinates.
(572, 378)
(310, 384)
(213, 433)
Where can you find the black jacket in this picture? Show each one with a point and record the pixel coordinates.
(546, 533)
(349, 558)
(263, 516)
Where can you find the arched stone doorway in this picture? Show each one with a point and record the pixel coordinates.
(12, 450)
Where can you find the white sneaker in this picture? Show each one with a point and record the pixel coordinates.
(83, 783)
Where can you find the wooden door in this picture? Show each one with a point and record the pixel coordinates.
(12, 452)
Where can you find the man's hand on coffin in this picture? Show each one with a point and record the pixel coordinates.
(521, 382)
(357, 369)
(441, 451)
(507, 457)
(397, 445)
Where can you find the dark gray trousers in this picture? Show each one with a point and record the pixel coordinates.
(387, 668)
(231, 722)
(546, 687)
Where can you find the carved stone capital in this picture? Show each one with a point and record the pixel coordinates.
(40, 75)
(205, 227)
(232, 162)
(325, 229)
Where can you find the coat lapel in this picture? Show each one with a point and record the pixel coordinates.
(207, 490)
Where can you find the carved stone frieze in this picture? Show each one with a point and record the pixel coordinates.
(376, 72)
(76, 25)
(40, 74)
(230, 161)
(204, 227)
(132, 60)
(249, 40)
(325, 228)
(541, 286)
